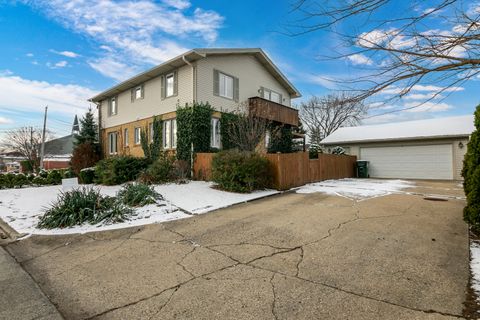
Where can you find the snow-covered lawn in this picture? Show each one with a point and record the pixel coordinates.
(357, 189)
(21, 208)
(475, 266)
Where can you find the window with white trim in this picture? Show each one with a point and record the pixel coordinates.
(150, 131)
(112, 143)
(138, 93)
(125, 137)
(215, 137)
(170, 85)
(112, 105)
(170, 134)
(137, 135)
(225, 86)
(272, 95)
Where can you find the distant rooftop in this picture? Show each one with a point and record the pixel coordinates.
(459, 126)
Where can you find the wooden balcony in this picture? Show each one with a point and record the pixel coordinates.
(273, 111)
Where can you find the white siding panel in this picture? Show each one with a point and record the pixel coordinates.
(410, 162)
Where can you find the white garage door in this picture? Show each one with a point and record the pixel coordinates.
(411, 162)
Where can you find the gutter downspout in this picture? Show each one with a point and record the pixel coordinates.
(194, 77)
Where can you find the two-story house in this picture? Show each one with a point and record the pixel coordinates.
(224, 78)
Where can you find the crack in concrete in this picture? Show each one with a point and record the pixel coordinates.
(166, 303)
(299, 261)
(274, 300)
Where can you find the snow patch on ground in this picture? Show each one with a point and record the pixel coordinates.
(357, 189)
(21, 208)
(475, 266)
(199, 197)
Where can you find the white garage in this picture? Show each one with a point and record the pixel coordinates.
(414, 162)
(421, 149)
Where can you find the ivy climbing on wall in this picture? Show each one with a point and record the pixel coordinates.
(193, 127)
(152, 149)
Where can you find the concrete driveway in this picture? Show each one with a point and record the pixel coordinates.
(292, 256)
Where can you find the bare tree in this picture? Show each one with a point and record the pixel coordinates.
(26, 141)
(396, 44)
(247, 130)
(323, 115)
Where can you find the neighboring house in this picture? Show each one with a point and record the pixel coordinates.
(422, 149)
(224, 78)
(58, 152)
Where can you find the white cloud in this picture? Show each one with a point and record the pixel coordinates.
(4, 120)
(423, 96)
(178, 4)
(427, 106)
(29, 54)
(69, 54)
(113, 69)
(30, 95)
(59, 64)
(390, 38)
(359, 59)
(421, 88)
(140, 31)
(322, 80)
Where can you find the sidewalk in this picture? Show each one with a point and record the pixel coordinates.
(20, 296)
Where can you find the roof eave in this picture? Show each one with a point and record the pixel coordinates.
(396, 139)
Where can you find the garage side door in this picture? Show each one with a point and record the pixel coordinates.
(410, 162)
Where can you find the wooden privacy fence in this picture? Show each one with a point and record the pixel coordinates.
(291, 169)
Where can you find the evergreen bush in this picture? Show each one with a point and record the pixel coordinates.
(160, 171)
(54, 177)
(138, 195)
(240, 171)
(471, 175)
(281, 139)
(120, 169)
(87, 175)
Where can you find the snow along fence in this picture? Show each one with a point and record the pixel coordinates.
(291, 169)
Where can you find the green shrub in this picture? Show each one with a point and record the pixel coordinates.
(281, 140)
(240, 171)
(160, 171)
(54, 177)
(471, 175)
(43, 173)
(137, 195)
(87, 175)
(82, 205)
(68, 173)
(20, 180)
(338, 150)
(39, 181)
(8, 180)
(118, 170)
(314, 150)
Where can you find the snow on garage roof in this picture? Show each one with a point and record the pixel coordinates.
(407, 130)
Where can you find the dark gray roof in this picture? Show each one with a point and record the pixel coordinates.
(60, 146)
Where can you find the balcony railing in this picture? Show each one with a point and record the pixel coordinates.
(273, 111)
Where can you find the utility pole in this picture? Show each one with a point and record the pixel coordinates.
(42, 149)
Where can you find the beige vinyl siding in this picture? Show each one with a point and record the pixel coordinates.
(251, 74)
(151, 104)
(457, 152)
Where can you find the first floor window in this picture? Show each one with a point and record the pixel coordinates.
(170, 134)
(150, 131)
(125, 137)
(268, 137)
(112, 142)
(137, 136)
(215, 138)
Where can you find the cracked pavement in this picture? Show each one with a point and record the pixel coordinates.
(291, 256)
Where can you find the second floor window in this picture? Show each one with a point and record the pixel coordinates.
(112, 106)
(272, 95)
(225, 86)
(137, 136)
(169, 85)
